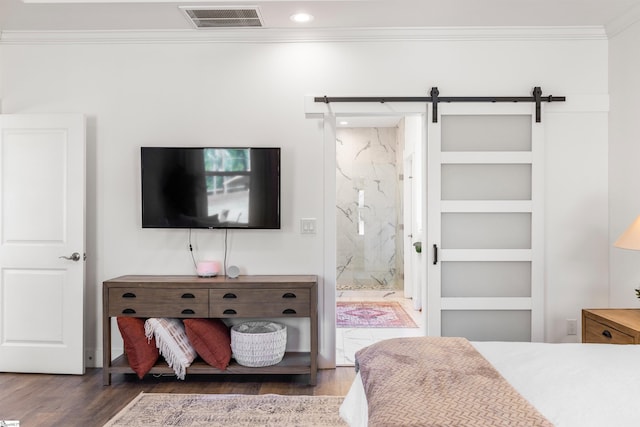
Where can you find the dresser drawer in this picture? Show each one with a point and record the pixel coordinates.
(160, 302)
(259, 302)
(596, 332)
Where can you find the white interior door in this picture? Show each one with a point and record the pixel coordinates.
(42, 193)
(485, 222)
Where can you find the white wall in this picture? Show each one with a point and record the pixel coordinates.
(253, 94)
(624, 161)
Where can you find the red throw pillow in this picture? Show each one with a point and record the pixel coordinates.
(141, 352)
(212, 340)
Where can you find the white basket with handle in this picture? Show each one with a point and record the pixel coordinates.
(258, 343)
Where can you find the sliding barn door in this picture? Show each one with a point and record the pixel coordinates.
(485, 223)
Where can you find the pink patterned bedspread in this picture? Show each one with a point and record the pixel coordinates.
(434, 381)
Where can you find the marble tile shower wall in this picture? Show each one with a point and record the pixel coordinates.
(368, 211)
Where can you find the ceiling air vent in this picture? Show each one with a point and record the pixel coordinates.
(223, 17)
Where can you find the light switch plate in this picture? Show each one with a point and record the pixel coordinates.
(308, 226)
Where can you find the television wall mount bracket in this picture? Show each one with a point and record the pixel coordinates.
(436, 99)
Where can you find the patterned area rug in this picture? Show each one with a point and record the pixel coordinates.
(362, 314)
(188, 410)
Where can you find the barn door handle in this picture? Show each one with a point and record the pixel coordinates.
(435, 254)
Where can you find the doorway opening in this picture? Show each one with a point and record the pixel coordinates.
(377, 209)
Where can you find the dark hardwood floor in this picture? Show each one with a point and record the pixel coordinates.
(82, 400)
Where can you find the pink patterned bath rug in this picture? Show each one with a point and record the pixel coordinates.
(372, 314)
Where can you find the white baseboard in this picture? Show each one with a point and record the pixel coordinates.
(93, 357)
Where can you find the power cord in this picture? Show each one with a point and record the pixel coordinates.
(226, 233)
(193, 258)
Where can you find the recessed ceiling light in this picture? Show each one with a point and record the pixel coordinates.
(344, 122)
(301, 17)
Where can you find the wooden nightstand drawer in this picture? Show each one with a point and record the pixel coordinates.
(611, 326)
(596, 332)
(161, 302)
(259, 302)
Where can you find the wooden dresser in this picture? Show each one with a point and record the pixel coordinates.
(217, 297)
(611, 326)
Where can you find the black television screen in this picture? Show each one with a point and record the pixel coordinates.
(210, 187)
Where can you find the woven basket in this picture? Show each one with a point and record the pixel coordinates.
(258, 343)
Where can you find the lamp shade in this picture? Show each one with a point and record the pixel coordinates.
(630, 239)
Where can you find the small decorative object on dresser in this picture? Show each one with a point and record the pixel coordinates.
(208, 268)
(233, 272)
(611, 326)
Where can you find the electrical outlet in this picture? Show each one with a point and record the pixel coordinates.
(572, 327)
(90, 359)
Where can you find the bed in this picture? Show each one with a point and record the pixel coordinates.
(567, 385)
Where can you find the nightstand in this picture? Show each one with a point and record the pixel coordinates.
(611, 326)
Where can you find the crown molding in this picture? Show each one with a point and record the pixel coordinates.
(263, 35)
(624, 21)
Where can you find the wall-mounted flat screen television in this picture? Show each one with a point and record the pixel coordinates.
(210, 187)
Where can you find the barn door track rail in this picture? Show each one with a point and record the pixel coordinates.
(435, 99)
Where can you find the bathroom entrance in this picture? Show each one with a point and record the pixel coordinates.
(376, 289)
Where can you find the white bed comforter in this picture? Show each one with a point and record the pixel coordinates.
(572, 385)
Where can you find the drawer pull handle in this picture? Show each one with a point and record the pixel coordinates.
(289, 311)
(188, 311)
(606, 333)
(229, 311)
(128, 295)
(289, 295)
(128, 311)
(229, 295)
(188, 295)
